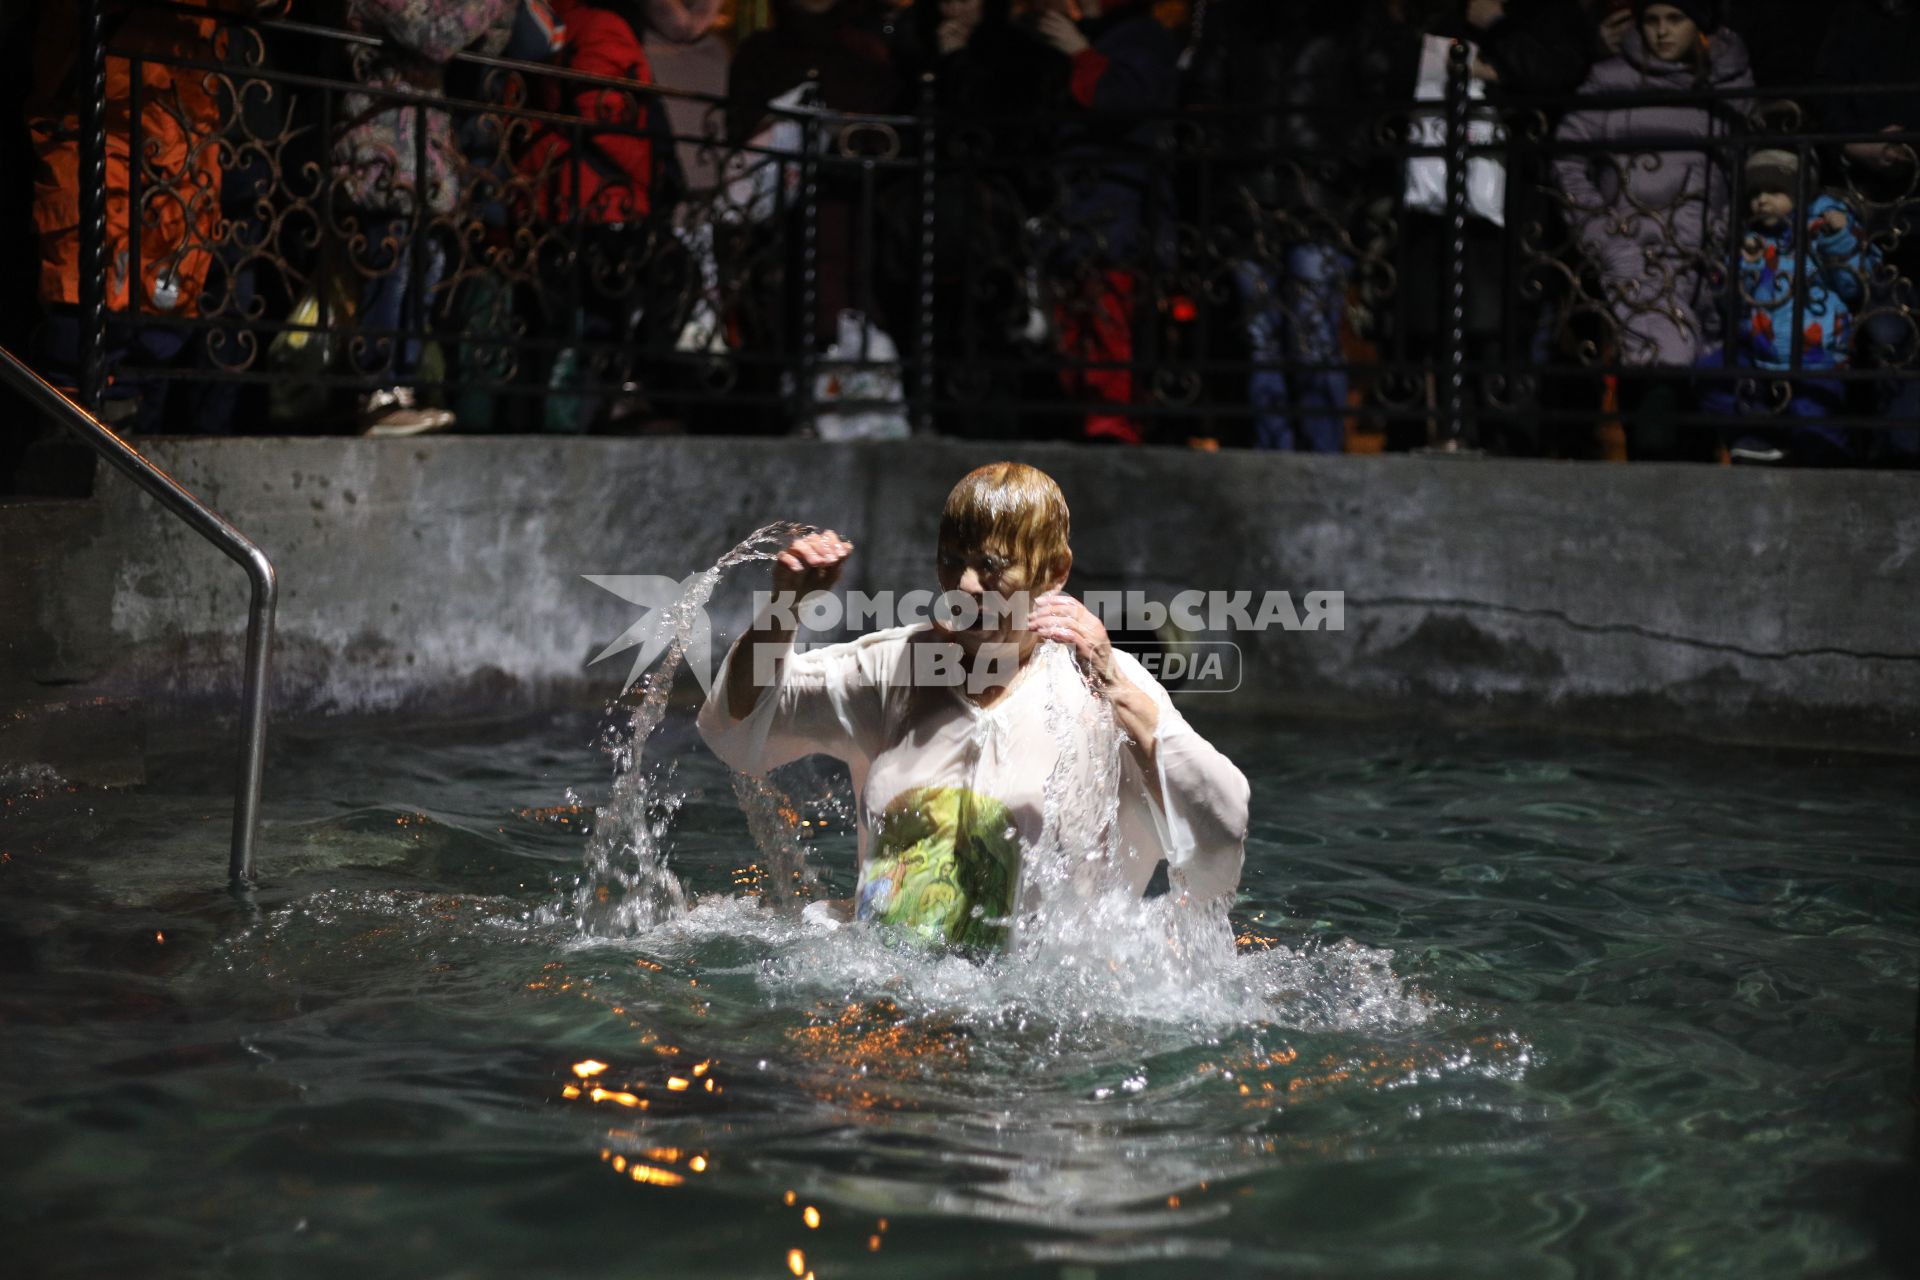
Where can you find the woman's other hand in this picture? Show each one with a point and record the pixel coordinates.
(1058, 616)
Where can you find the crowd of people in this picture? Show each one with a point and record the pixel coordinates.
(1152, 220)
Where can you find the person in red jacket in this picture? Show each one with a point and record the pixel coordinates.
(1122, 61)
(597, 187)
(609, 176)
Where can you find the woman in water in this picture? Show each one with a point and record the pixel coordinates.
(996, 765)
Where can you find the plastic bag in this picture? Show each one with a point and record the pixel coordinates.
(861, 370)
(1427, 175)
(754, 175)
(703, 332)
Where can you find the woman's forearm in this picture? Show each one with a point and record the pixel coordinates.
(1139, 718)
(769, 635)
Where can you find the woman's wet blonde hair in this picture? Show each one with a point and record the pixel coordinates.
(1014, 510)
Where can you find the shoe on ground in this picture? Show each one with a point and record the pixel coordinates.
(392, 411)
(1754, 449)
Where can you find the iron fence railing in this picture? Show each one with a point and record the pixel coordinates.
(310, 224)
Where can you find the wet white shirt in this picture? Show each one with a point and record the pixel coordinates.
(1045, 789)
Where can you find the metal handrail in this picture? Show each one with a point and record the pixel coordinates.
(203, 521)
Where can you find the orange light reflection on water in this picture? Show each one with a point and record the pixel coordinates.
(878, 1043)
(1379, 1069)
(655, 1177)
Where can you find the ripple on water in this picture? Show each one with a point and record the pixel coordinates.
(1649, 1014)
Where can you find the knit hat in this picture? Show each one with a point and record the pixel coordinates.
(1772, 169)
(1705, 13)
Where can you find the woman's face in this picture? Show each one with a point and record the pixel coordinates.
(964, 12)
(1668, 32)
(978, 571)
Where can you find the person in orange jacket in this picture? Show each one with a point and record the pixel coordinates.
(158, 273)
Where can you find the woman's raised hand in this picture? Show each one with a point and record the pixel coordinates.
(811, 563)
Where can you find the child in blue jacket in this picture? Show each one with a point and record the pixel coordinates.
(1779, 288)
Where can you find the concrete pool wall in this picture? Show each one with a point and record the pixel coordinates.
(442, 577)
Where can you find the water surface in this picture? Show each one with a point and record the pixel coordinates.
(1500, 1004)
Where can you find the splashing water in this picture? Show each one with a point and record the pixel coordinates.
(1625, 1015)
(1102, 945)
(1105, 986)
(626, 885)
(1081, 952)
(791, 877)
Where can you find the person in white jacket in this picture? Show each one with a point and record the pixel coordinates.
(995, 765)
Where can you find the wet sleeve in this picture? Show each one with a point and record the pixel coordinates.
(1202, 813)
(824, 702)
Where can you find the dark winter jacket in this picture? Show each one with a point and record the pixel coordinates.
(988, 92)
(1541, 48)
(1127, 72)
(856, 70)
(1003, 74)
(1284, 88)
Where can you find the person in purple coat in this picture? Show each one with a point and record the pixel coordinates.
(1651, 215)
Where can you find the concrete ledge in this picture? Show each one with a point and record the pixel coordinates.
(443, 577)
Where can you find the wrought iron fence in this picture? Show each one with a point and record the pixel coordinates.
(316, 216)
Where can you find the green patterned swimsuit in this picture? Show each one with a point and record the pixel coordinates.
(943, 865)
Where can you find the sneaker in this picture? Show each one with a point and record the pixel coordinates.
(1754, 449)
(391, 411)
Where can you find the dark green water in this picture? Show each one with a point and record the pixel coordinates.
(1506, 1006)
